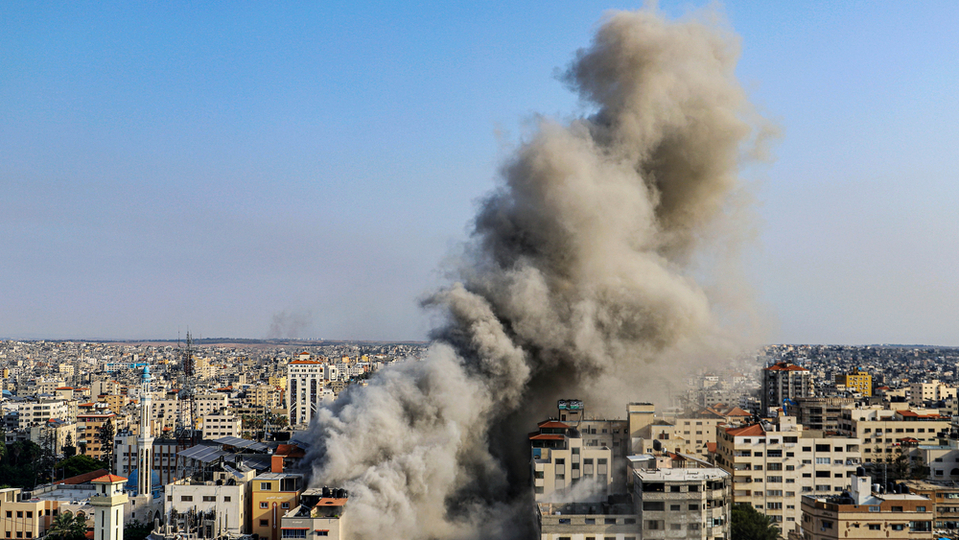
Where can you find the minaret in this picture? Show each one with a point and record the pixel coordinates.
(145, 440)
(107, 502)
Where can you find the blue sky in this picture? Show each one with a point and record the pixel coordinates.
(169, 165)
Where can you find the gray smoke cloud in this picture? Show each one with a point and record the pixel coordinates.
(289, 324)
(582, 279)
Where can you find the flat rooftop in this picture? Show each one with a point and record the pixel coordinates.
(680, 475)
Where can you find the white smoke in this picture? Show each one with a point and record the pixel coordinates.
(580, 280)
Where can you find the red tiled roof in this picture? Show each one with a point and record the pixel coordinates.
(736, 411)
(305, 362)
(711, 447)
(328, 501)
(546, 437)
(552, 424)
(785, 366)
(84, 478)
(109, 479)
(746, 431)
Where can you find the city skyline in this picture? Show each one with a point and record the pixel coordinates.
(311, 171)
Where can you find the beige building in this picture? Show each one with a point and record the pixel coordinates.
(934, 390)
(691, 504)
(884, 431)
(581, 520)
(37, 412)
(224, 498)
(866, 515)
(822, 413)
(560, 460)
(773, 465)
(25, 519)
(222, 424)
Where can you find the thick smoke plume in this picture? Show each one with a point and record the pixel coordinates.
(582, 279)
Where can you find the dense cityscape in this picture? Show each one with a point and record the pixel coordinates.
(819, 439)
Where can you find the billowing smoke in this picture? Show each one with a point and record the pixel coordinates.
(583, 278)
(290, 324)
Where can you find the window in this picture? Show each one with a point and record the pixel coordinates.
(264, 523)
(29, 514)
(264, 505)
(19, 513)
(227, 498)
(897, 526)
(209, 498)
(694, 507)
(294, 533)
(267, 486)
(822, 461)
(654, 525)
(822, 447)
(609, 521)
(675, 508)
(920, 509)
(169, 498)
(654, 505)
(875, 527)
(285, 505)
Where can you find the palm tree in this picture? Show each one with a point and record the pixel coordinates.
(67, 526)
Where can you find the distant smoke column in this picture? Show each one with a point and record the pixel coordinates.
(578, 277)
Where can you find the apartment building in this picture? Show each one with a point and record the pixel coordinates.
(580, 520)
(858, 381)
(37, 412)
(691, 504)
(88, 426)
(782, 381)
(222, 501)
(221, 424)
(867, 515)
(21, 519)
(945, 503)
(273, 496)
(305, 379)
(560, 460)
(773, 465)
(925, 391)
(822, 413)
(321, 514)
(883, 432)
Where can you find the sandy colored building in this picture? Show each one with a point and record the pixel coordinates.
(865, 515)
(774, 465)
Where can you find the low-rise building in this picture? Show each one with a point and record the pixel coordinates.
(863, 514)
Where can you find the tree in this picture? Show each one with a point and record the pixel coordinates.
(77, 465)
(68, 449)
(19, 468)
(748, 524)
(67, 526)
(105, 434)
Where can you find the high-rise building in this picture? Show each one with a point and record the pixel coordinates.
(782, 381)
(304, 390)
(774, 465)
